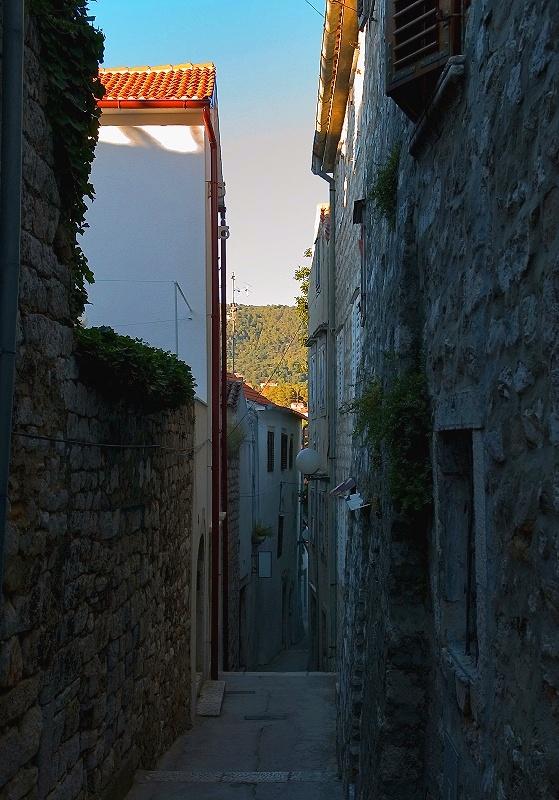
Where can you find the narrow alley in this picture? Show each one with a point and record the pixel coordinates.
(275, 738)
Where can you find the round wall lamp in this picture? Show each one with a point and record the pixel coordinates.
(307, 461)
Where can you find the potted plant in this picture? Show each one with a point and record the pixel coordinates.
(260, 532)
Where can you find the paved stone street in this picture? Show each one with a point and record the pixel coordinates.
(275, 738)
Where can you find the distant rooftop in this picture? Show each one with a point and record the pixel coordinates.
(164, 83)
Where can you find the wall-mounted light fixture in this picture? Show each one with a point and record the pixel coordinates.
(308, 462)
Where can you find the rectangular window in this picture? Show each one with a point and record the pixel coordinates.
(283, 452)
(340, 362)
(456, 508)
(291, 452)
(271, 449)
(364, 12)
(320, 402)
(322, 525)
(421, 36)
(312, 381)
(355, 345)
(312, 515)
(280, 534)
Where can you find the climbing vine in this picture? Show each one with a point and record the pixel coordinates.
(302, 276)
(128, 369)
(71, 50)
(384, 193)
(395, 420)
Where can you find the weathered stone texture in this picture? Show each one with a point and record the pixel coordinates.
(471, 274)
(94, 628)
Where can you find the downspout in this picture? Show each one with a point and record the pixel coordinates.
(331, 404)
(215, 370)
(10, 235)
(224, 481)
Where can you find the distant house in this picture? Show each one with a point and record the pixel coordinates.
(264, 526)
(152, 240)
(149, 231)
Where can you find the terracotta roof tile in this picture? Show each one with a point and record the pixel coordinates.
(168, 82)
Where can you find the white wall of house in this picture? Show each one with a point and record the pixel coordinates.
(201, 550)
(278, 606)
(148, 228)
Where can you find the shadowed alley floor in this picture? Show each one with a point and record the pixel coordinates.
(275, 739)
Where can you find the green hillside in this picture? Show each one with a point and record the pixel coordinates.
(263, 335)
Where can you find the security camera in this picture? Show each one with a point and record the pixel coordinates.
(223, 231)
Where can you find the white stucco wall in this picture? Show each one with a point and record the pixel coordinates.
(148, 229)
(277, 493)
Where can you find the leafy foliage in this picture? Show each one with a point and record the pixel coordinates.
(124, 368)
(265, 345)
(286, 393)
(397, 418)
(261, 532)
(235, 437)
(71, 50)
(302, 275)
(385, 188)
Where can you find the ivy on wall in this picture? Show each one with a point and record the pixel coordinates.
(127, 369)
(396, 420)
(71, 51)
(384, 193)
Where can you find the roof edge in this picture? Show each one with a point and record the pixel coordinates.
(159, 67)
(339, 41)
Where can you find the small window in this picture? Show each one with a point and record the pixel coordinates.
(364, 8)
(355, 345)
(291, 452)
(280, 534)
(271, 449)
(458, 518)
(283, 452)
(421, 37)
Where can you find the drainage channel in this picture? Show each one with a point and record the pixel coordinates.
(195, 776)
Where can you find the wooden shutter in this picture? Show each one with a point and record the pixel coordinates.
(271, 448)
(283, 453)
(421, 37)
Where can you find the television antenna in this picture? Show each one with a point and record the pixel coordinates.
(246, 290)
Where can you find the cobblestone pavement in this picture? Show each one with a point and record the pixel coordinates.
(275, 739)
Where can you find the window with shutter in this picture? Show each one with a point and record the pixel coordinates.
(271, 448)
(421, 36)
(280, 535)
(355, 345)
(283, 453)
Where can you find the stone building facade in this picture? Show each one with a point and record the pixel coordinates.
(449, 665)
(94, 621)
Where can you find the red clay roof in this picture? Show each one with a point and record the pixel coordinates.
(252, 395)
(167, 82)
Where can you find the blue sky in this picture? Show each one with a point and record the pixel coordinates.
(267, 57)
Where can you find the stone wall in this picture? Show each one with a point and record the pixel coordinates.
(94, 625)
(469, 274)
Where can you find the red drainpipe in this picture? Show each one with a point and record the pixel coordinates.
(215, 369)
(204, 105)
(224, 487)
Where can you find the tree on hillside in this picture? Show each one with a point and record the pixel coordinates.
(286, 393)
(267, 345)
(302, 275)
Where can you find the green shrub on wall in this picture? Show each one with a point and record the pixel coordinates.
(124, 368)
(71, 50)
(396, 420)
(384, 193)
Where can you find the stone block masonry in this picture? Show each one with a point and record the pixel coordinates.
(94, 623)
(449, 683)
